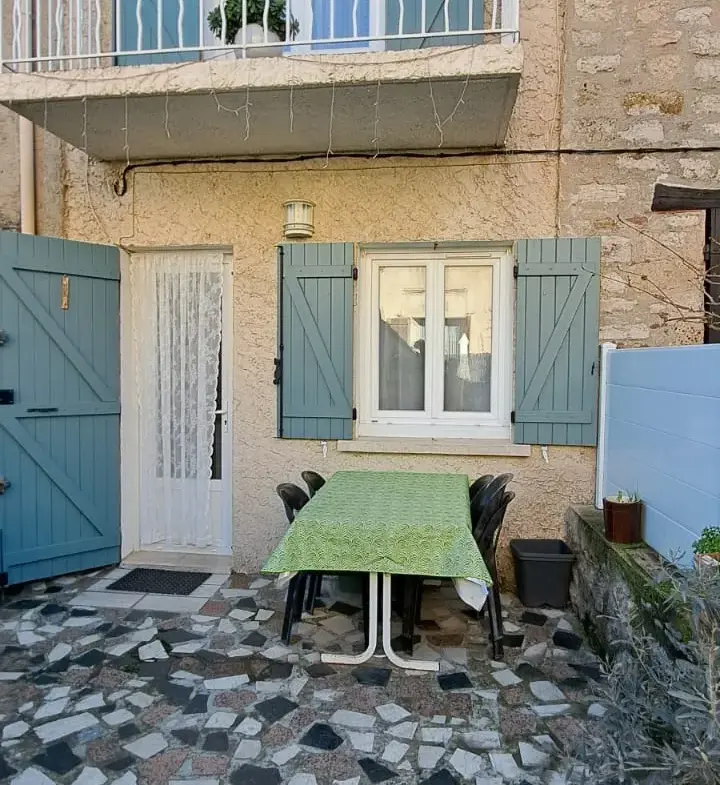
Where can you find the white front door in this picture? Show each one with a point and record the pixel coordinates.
(181, 371)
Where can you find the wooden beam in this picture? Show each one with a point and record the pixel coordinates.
(677, 197)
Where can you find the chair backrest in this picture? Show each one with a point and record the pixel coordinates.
(293, 498)
(479, 484)
(487, 538)
(485, 501)
(314, 481)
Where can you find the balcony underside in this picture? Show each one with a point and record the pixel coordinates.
(446, 97)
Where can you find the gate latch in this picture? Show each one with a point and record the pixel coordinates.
(4, 485)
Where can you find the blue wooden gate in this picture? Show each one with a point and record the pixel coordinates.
(59, 406)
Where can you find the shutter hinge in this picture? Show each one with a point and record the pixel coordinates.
(277, 375)
(512, 416)
(3, 579)
(354, 414)
(354, 273)
(516, 271)
(706, 253)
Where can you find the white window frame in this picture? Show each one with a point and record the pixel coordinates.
(434, 423)
(302, 11)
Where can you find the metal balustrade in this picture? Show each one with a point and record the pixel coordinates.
(52, 35)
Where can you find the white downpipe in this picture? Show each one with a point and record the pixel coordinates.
(26, 139)
(605, 350)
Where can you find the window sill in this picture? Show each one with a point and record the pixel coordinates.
(435, 447)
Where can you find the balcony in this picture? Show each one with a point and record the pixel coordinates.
(184, 79)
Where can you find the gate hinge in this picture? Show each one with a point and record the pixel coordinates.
(355, 273)
(512, 416)
(354, 413)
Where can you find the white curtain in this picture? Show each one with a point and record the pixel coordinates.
(177, 325)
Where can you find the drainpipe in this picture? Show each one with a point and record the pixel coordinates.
(605, 350)
(26, 134)
(27, 176)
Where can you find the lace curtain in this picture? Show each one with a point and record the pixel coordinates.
(177, 323)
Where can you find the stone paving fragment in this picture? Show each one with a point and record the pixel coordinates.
(504, 764)
(506, 678)
(51, 709)
(58, 729)
(31, 776)
(249, 727)
(546, 691)
(482, 740)
(404, 730)
(322, 737)
(395, 751)
(551, 710)
(227, 682)
(364, 742)
(436, 735)
(281, 757)
(147, 746)
(467, 764)
(15, 730)
(352, 719)
(248, 749)
(532, 757)
(223, 720)
(391, 712)
(115, 718)
(90, 776)
(375, 771)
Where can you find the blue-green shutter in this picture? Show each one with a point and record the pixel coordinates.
(315, 341)
(556, 353)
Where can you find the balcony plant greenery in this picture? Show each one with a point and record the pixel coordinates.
(707, 548)
(277, 18)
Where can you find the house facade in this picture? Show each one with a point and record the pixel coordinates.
(482, 189)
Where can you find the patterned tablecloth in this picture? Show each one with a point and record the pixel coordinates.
(388, 522)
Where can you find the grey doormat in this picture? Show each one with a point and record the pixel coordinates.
(160, 581)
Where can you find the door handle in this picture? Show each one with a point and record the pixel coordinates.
(4, 485)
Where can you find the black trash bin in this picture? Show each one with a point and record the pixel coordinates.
(543, 569)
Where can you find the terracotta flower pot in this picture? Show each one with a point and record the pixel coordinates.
(623, 521)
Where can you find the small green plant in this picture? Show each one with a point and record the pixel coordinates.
(277, 18)
(624, 497)
(709, 541)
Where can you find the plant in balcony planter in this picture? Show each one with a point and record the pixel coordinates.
(707, 548)
(623, 518)
(254, 29)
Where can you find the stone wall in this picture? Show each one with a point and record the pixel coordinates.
(9, 172)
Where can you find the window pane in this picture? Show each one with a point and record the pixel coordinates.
(402, 338)
(468, 338)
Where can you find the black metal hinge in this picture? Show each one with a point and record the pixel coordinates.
(355, 273)
(706, 253)
(277, 375)
(512, 416)
(354, 413)
(516, 271)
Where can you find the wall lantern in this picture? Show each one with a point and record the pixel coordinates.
(299, 219)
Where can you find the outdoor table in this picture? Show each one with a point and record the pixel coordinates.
(394, 523)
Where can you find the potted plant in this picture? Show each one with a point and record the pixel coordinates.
(254, 29)
(623, 518)
(707, 548)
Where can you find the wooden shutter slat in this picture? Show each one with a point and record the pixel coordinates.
(557, 337)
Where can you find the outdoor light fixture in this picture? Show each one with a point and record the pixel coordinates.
(299, 219)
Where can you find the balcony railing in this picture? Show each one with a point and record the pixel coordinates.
(51, 35)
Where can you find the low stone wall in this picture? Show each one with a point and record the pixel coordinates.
(615, 586)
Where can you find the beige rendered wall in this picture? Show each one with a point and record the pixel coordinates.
(394, 200)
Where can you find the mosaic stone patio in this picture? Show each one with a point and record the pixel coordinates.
(125, 695)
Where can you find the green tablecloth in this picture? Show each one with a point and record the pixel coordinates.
(394, 522)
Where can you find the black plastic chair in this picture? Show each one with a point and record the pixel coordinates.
(487, 539)
(314, 482)
(482, 505)
(480, 484)
(294, 499)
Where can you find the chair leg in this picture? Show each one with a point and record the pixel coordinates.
(495, 628)
(299, 596)
(498, 603)
(289, 609)
(311, 593)
(409, 609)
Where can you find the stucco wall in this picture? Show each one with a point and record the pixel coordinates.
(480, 198)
